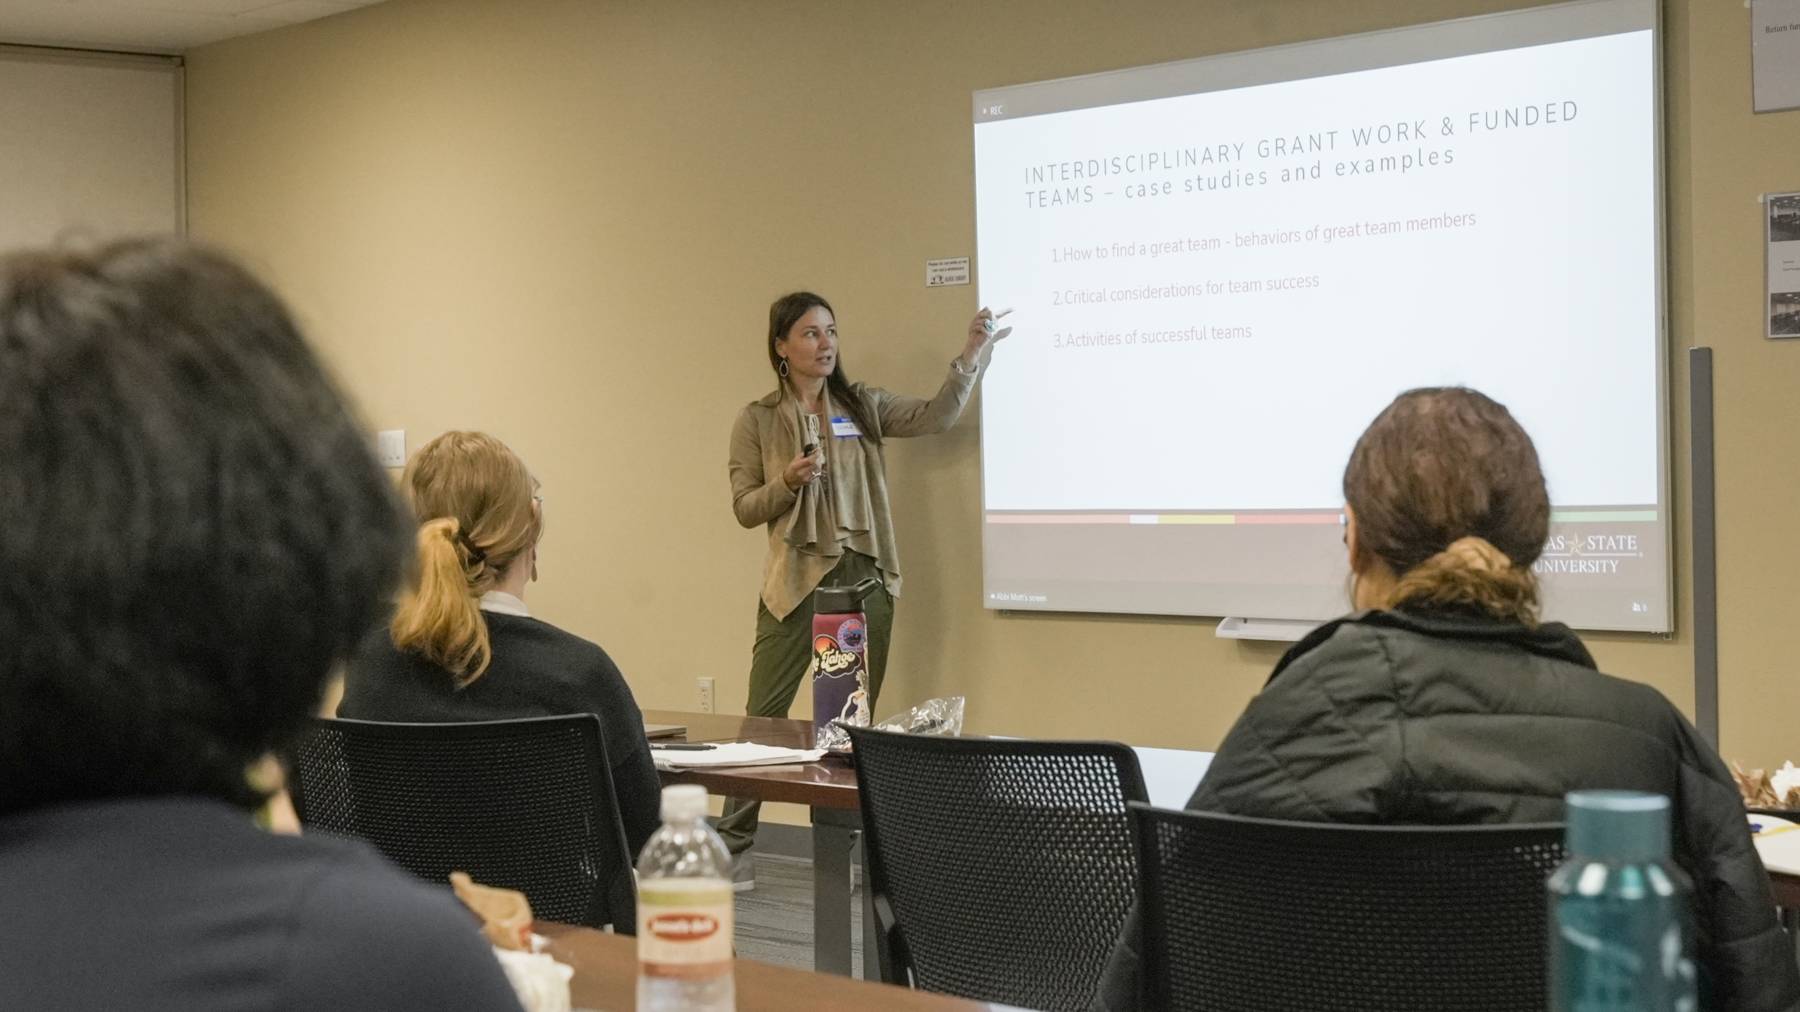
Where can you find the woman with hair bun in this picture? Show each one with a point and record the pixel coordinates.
(462, 646)
(1445, 700)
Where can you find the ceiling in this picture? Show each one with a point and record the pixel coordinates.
(153, 26)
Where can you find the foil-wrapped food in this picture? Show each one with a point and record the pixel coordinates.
(943, 715)
(1763, 789)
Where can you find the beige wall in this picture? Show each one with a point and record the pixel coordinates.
(563, 222)
(1731, 156)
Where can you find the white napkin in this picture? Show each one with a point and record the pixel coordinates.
(1785, 779)
(541, 983)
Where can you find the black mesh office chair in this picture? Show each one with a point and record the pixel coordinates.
(524, 804)
(1000, 870)
(1265, 916)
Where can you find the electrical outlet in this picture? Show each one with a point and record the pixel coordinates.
(706, 694)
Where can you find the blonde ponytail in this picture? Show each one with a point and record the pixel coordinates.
(1471, 574)
(438, 617)
(477, 506)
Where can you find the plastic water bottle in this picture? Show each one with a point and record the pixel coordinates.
(1621, 920)
(685, 922)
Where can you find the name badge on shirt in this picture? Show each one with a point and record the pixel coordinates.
(845, 428)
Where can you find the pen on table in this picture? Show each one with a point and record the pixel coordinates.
(685, 746)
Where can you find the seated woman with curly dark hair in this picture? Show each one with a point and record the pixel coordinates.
(1445, 700)
(195, 534)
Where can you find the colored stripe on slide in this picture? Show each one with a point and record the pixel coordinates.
(1602, 516)
(1164, 519)
(1308, 519)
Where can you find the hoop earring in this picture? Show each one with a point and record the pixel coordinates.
(782, 369)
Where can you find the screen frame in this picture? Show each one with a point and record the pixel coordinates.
(1369, 51)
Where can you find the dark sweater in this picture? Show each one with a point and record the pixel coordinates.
(538, 670)
(1408, 717)
(181, 904)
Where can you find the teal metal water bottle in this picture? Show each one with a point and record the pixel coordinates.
(1621, 915)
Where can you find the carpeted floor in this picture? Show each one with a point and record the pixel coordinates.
(775, 920)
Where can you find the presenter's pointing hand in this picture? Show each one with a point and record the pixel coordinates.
(802, 470)
(983, 334)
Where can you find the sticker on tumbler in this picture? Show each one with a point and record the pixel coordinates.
(850, 634)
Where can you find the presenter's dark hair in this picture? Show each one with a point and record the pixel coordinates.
(787, 311)
(1447, 491)
(194, 530)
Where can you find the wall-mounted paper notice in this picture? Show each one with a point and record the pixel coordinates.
(946, 271)
(1783, 285)
(1775, 54)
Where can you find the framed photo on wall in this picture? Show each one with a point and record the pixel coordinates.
(1781, 230)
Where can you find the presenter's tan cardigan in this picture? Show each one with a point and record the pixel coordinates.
(809, 530)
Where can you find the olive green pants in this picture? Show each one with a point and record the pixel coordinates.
(779, 659)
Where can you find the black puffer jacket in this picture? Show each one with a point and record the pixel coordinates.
(1404, 717)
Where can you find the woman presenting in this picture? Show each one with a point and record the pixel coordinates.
(806, 462)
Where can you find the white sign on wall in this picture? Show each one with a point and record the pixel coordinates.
(1775, 54)
(946, 271)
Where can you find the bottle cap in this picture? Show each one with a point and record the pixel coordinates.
(1621, 825)
(683, 801)
(843, 600)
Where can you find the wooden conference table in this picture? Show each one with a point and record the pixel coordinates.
(606, 979)
(827, 788)
(1787, 890)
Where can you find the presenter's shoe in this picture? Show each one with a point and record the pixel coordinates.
(743, 872)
